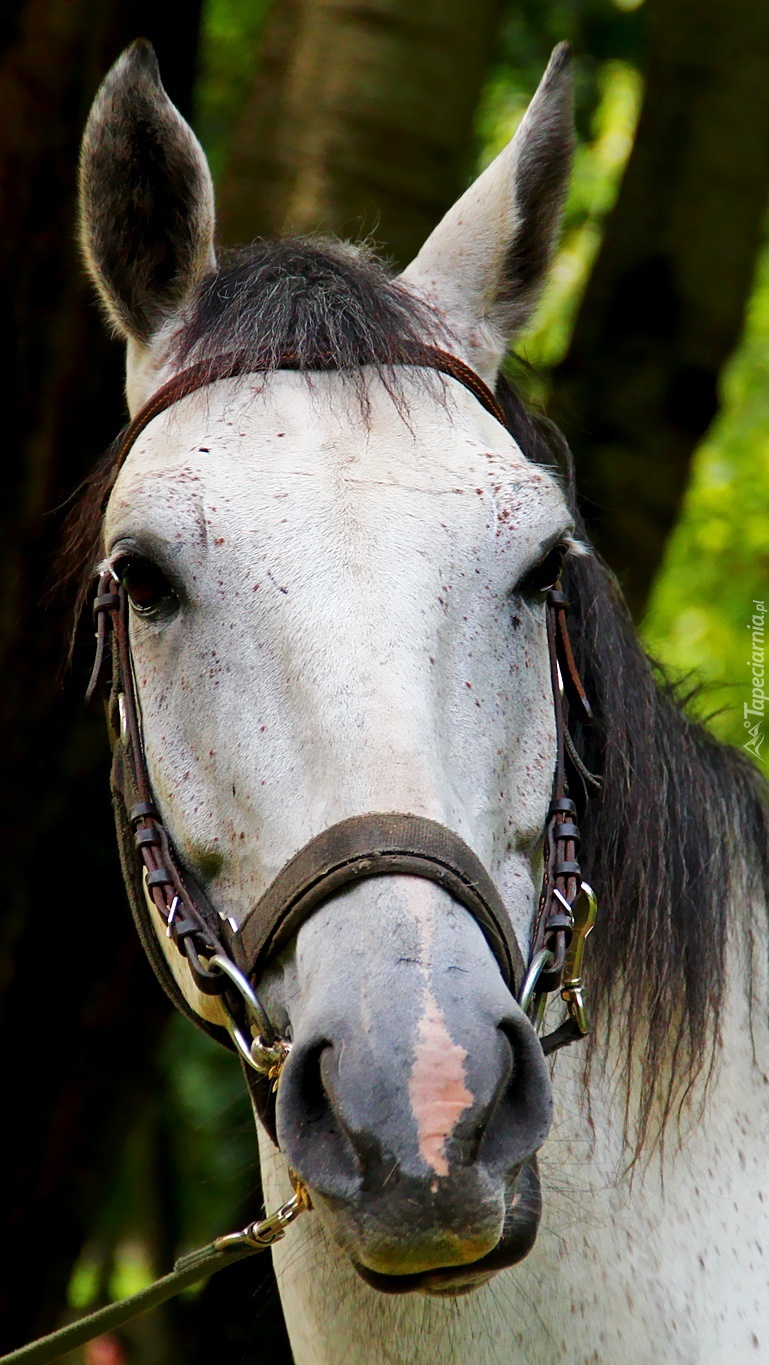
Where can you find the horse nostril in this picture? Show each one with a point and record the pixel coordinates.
(517, 1074)
(309, 1080)
(519, 1118)
(469, 1145)
(351, 1128)
(476, 1138)
(309, 1130)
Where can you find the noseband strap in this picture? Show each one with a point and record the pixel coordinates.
(224, 958)
(376, 846)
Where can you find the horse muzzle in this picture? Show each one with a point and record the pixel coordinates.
(425, 1182)
(522, 1215)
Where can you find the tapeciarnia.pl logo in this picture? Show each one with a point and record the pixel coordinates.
(753, 712)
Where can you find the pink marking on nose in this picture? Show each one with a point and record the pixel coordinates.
(437, 1090)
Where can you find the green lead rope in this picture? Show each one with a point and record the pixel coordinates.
(188, 1270)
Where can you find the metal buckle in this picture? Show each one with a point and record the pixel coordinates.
(584, 910)
(265, 1231)
(265, 1057)
(123, 714)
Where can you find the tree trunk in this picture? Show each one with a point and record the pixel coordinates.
(360, 120)
(79, 1012)
(664, 305)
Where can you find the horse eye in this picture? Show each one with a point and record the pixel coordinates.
(545, 574)
(147, 587)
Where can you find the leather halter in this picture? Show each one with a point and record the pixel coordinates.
(224, 959)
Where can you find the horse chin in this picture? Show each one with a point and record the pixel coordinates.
(524, 1210)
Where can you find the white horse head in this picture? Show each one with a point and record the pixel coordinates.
(336, 575)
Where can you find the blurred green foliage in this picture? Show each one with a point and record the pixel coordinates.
(209, 1099)
(189, 1170)
(231, 32)
(717, 560)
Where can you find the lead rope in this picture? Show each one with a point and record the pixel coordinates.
(188, 1270)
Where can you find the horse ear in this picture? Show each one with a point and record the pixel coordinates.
(484, 264)
(146, 199)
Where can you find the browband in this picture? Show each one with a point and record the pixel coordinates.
(207, 372)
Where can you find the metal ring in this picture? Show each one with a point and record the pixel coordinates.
(240, 1042)
(260, 1015)
(540, 961)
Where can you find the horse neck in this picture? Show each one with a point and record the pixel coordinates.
(614, 1236)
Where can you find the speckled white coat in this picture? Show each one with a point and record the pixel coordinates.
(667, 1265)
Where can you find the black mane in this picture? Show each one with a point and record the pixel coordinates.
(326, 304)
(681, 826)
(679, 831)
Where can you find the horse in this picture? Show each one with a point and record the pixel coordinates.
(340, 559)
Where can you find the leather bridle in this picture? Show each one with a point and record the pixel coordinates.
(226, 959)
